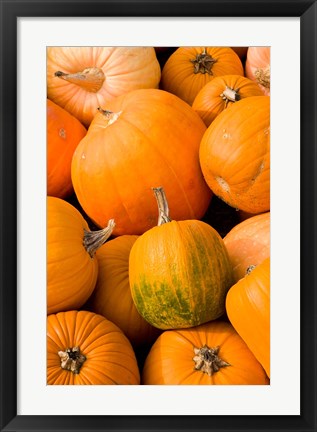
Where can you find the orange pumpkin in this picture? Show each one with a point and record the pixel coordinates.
(248, 244)
(64, 132)
(221, 93)
(80, 79)
(143, 138)
(86, 348)
(258, 67)
(72, 267)
(235, 155)
(189, 69)
(112, 296)
(250, 297)
(209, 354)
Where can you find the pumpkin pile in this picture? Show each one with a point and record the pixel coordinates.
(158, 215)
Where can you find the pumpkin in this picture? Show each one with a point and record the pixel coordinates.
(86, 348)
(248, 244)
(188, 69)
(80, 79)
(258, 68)
(250, 297)
(179, 272)
(221, 93)
(72, 267)
(209, 354)
(64, 132)
(143, 138)
(235, 155)
(112, 297)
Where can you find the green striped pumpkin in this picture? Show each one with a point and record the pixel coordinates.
(179, 272)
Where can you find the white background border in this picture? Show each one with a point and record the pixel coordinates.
(282, 396)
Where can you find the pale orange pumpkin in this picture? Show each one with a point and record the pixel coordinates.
(72, 267)
(221, 93)
(235, 155)
(189, 69)
(112, 296)
(248, 309)
(85, 348)
(209, 354)
(248, 244)
(64, 132)
(80, 79)
(258, 67)
(144, 138)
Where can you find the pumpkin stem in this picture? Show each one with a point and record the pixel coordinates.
(230, 95)
(206, 360)
(203, 63)
(90, 79)
(263, 76)
(94, 239)
(250, 269)
(110, 115)
(71, 359)
(162, 206)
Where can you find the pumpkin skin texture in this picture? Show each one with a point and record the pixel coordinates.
(235, 155)
(80, 79)
(189, 69)
(64, 132)
(250, 297)
(221, 93)
(170, 360)
(257, 67)
(112, 297)
(248, 244)
(71, 270)
(179, 274)
(150, 137)
(108, 355)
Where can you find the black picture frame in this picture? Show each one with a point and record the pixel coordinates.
(9, 12)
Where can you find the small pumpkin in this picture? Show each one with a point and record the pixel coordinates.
(179, 272)
(189, 69)
(143, 138)
(221, 93)
(80, 79)
(209, 354)
(248, 244)
(72, 267)
(85, 348)
(250, 297)
(112, 297)
(235, 155)
(258, 67)
(64, 132)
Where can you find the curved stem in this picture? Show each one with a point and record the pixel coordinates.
(90, 79)
(94, 239)
(162, 206)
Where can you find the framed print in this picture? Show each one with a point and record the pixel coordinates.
(33, 37)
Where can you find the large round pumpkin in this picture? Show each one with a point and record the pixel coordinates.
(248, 309)
(86, 348)
(72, 267)
(258, 67)
(179, 272)
(143, 138)
(64, 132)
(80, 79)
(235, 155)
(112, 296)
(189, 69)
(221, 93)
(209, 354)
(248, 244)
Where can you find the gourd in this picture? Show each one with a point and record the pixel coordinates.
(258, 67)
(84, 348)
(80, 79)
(209, 354)
(72, 267)
(179, 272)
